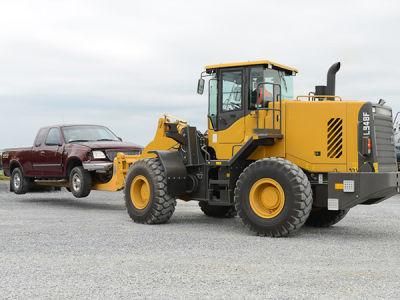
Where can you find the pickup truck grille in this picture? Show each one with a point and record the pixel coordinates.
(385, 148)
(111, 154)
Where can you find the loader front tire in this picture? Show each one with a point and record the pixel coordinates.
(273, 197)
(146, 197)
(217, 211)
(322, 217)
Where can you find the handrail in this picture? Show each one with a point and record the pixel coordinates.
(314, 97)
(273, 109)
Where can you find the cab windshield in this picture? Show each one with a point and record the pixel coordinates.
(265, 83)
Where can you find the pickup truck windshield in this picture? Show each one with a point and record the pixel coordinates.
(88, 134)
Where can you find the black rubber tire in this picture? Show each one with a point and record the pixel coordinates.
(217, 211)
(298, 197)
(21, 186)
(322, 217)
(161, 205)
(85, 182)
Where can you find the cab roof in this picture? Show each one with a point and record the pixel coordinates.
(263, 62)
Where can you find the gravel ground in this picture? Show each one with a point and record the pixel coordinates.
(55, 246)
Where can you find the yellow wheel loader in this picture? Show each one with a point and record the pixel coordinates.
(275, 160)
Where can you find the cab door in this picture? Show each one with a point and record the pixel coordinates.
(49, 161)
(230, 122)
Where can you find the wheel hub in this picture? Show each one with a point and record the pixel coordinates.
(267, 198)
(76, 182)
(17, 181)
(140, 192)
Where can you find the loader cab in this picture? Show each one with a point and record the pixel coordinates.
(237, 89)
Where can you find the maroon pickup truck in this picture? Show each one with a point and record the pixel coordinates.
(73, 156)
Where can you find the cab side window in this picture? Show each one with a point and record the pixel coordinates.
(40, 137)
(256, 79)
(53, 137)
(261, 87)
(231, 90)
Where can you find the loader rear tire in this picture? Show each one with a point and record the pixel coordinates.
(321, 217)
(273, 197)
(146, 197)
(217, 211)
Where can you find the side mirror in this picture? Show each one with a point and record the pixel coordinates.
(200, 86)
(120, 139)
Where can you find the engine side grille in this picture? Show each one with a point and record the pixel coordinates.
(335, 138)
(384, 140)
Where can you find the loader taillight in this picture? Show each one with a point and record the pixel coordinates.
(369, 145)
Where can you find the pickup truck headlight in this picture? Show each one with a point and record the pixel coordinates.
(98, 155)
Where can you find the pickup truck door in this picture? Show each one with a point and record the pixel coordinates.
(35, 169)
(49, 155)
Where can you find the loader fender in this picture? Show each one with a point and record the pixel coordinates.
(175, 171)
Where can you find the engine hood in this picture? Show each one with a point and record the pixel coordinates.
(110, 145)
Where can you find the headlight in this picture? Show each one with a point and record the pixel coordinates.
(98, 155)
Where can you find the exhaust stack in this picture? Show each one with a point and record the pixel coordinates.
(329, 88)
(331, 79)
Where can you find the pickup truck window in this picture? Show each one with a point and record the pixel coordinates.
(53, 137)
(40, 137)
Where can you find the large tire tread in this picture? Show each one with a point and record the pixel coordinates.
(162, 205)
(302, 203)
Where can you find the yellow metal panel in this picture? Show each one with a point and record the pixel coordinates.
(250, 63)
(160, 140)
(339, 186)
(306, 130)
(120, 168)
(229, 141)
(306, 134)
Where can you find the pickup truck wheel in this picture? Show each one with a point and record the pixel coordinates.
(19, 183)
(80, 182)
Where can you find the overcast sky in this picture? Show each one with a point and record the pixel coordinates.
(124, 63)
